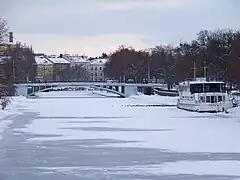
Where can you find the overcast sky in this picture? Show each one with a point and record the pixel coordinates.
(95, 26)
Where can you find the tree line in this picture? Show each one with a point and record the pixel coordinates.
(218, 52)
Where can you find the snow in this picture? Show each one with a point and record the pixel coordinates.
(226, 168)
(99, 61)
(77, 59)
(58, 60)
(42, 60)
(11, 111)
(222, 168)
(155, 99)
(164, 127)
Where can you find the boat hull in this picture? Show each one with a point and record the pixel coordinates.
(206, 107)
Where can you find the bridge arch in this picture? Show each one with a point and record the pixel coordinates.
(37, 89)
(110, 90)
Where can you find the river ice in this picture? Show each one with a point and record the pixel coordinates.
(80, 135)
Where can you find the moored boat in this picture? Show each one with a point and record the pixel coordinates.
(201, 95)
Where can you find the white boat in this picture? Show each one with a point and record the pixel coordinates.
(204, 96)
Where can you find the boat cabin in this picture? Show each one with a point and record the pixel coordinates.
(207, 87)
(203, 91)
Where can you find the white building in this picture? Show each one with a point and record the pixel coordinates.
(44, 69)
(79, 66)
(76, 60)
(61, 68)
(96, 69)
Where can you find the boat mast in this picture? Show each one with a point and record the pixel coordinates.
(194, 71)
(205, 70)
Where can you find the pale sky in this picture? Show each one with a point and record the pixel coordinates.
(95, 26)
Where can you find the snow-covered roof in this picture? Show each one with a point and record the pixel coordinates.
(77, 59)
(42, 60)
(57, 60)
(99, 61)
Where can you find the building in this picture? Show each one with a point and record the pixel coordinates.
(61, 68)
(79, 67)
(96, 69)
(44, 69)
(76, 60)
(4, 49)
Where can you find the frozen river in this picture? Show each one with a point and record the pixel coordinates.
(78, 135)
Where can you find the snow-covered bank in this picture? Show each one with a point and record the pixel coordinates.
(10, 112)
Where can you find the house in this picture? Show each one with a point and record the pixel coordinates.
(79, 67)
(61, 67)
(44, 69)
(96, 69)
(76, 60)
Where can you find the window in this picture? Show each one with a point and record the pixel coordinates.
(207, 87)
(208, 99)
(202, 99)
(100, 68)
(212, 99)
(95, 74)
(196, 88)
(220, 98)
(95, 68)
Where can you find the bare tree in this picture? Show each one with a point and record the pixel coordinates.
(4, 86)
(3, 29)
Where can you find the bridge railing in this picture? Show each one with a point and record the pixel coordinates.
(91, 84)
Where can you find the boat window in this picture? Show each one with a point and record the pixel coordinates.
(208, 99)
(207, 87)
(202, 99)
(212, 99)
(220, 98)
(215, 99)
(214, 87)
(223, 98)
(196, 88)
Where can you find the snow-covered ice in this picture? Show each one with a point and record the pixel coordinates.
(203, 168)
(165, 128)
(62, 116)
(221, 168)
(10, 111)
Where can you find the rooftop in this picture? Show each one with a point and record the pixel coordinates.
(42, 60)
(99, 61)
(75, 58)
(200, 81)
(57, 60)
